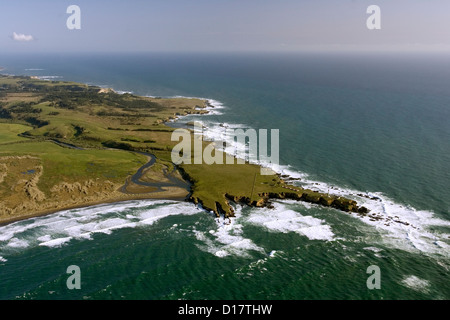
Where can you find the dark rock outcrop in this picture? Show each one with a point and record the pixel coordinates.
(339, 203)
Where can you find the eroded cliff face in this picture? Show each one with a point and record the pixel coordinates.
(339, 203)
(22, 194)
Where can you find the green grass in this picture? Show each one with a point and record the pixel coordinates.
(213, 181)
(8, 80)
(9, 132)
(70, 165)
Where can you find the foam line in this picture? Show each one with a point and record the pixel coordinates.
(416, 284)
(59, 228)
(227, 239)
(282, 219)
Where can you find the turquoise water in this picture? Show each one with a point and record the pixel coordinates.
(350, 124)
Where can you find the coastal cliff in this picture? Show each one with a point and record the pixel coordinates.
(335, 202)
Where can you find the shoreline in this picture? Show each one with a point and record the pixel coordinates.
(142, 192)
(126, 198)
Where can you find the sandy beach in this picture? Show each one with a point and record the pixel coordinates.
(171, 193)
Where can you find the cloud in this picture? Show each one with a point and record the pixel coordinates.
(22, 37)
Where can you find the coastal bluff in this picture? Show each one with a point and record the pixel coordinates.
(264, 200)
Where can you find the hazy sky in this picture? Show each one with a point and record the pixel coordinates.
(223, 25)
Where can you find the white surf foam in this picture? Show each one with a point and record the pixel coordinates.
(123, 92)
(227, 239)
(373, 249)
(56, 243)
(416, 283)
(404, 227)
(45, 238)
(401, 226)
(60, 228)
(220, 132)
(49, 77)
(273, 253)
(151, 216)
(282, 219)
(216, 108)
(17, 243)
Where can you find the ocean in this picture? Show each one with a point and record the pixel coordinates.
(374, 127)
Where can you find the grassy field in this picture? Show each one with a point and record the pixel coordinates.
(9, 132)
(69, 165)
(213, 182)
